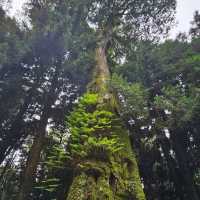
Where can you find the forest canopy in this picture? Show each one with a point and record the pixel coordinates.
(97, 104)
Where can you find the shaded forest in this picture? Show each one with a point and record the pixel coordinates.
(97, 104)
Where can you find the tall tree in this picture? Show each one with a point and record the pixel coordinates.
(55, 50)
(195, 30)
(113, 175)
(99, 149)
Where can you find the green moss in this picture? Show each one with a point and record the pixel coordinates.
(91, 130)
(98, 85)
(105, 164)
(80, 187)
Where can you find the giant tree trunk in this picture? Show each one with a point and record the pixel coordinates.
(117, 178)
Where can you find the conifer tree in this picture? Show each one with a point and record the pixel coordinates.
(100, 173)
(62, 35)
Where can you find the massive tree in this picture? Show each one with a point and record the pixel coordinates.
(99, 149)
(170, 71)
(103, 171)
(55, 50)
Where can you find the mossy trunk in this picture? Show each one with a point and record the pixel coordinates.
(116, 177)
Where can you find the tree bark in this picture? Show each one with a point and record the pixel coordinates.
(31, 166)
(172, 167)
(183, 161)
(119, 177)
(36, 149)
(15, 133)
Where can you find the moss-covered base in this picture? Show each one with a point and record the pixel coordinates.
(105, 166)
(114, 179)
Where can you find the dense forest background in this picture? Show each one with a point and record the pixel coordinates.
(46, 67)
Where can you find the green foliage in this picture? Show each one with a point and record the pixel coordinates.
(181, 106)
(133, 97)
(92, 136)
(92, 130)
(127, 15)
(168, 138)
(13, 45)
(139, 65)
(61, 46)
(195, 29)
(50, 185)
(55, 167)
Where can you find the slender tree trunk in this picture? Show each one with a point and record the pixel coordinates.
(119, 177)
(36, 149)
(182, 157)
(31, 165)
(17, 129)
(14, 134)
(172, 167)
